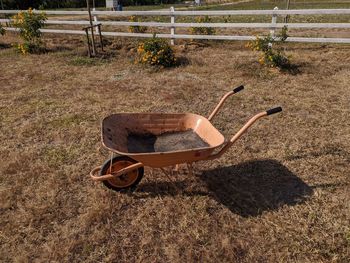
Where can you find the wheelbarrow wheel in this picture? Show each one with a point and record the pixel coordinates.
(125, 181)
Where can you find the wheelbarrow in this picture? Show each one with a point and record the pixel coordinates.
(160, 140)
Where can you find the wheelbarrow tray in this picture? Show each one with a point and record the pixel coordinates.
(161, 139)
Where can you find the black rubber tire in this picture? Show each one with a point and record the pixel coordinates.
(106, 166)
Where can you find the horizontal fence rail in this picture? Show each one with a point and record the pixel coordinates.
(189, 25)
(184, 36)
(195, 13)
(172, 13)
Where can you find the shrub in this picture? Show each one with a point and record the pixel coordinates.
(136, 29)
(155, 52)
(29, 25)
(203, 30)
(272, 52)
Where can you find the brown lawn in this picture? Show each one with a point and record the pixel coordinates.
(280, 194)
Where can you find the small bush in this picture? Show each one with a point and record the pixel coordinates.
(272, 52)
(136, 29)
(29, 25)
(203, 30)
(155, 52)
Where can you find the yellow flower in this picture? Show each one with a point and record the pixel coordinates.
(261, 60)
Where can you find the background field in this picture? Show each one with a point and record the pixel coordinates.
(280, 194)
(235, 5)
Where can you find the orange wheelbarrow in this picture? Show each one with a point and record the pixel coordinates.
(158, 140)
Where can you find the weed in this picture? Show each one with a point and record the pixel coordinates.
(2, 30)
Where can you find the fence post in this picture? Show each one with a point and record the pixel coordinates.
(287, 16)
(273, 22)
(96, 21)
(172, 29)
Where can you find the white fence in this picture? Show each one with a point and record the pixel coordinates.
(173, 25)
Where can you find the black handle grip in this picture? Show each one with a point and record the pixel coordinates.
(274, 110)
(238, 89)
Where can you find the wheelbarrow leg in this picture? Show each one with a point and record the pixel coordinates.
(177, 189)
(190, 169)
(111, 161)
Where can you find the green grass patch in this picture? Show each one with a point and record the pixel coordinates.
(59, 155)
(87, 61)
(68, 121)
(299, 4)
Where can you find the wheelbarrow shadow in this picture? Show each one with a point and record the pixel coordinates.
(247, 189)
(250, 188)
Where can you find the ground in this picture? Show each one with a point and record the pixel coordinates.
(280, 194)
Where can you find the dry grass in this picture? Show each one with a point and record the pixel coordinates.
(281, 194)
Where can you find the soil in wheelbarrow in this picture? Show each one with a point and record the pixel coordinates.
(165, 142)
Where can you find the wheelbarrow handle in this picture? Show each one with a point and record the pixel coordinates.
(243, 130)
(274, 110)
(223, 99)
(238, 89)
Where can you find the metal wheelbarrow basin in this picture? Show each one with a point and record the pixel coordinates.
(161, 139)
